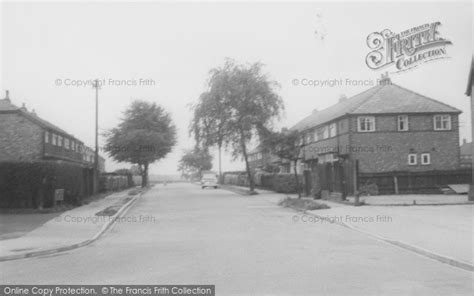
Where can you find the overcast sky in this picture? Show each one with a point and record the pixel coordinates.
(174, 45)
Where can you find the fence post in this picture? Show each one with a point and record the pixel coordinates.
(355, 172)
(395, 183)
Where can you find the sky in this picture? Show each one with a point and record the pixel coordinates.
(163, 52)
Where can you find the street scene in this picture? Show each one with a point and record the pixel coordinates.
(236, 148)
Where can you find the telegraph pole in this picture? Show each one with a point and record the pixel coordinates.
(96, 156)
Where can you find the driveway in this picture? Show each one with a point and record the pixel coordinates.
(245, 245)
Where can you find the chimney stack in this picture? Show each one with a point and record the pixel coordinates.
(464, 141)
(384, 79)
(342, 98)
(315, 111)
(7, 96)
(23, 107)
(33, 112)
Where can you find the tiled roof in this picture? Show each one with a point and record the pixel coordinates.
(6, 105)
(380, 99)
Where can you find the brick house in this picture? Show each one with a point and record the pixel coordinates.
(24, 136)
(387, 129)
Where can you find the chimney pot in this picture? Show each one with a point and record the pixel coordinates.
(7, 95)
(315, 111)
(384, 79)
(342, 98)
(23, 107)
(464, 141)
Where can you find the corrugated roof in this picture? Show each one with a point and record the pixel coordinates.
(380, 99)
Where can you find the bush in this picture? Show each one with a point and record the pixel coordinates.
(302, 204)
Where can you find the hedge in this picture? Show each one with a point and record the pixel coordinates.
(283, 183)
(32, 184)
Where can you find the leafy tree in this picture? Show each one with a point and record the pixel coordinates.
(145, 135)
(287, 146)
(193, 162)
(244, 104)
(208, 123)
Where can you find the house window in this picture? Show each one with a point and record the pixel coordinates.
(425, 159)
(442, 122)
(316, 137)
(60, 141)
(366, 124)
(403, 123)
(412, 159)
(67, 144)
(332, 130)
(309, 137)
(73, 145)
(325, 132)
(55, 140)
(46, 137)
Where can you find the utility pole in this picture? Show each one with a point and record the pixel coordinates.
(96, 156)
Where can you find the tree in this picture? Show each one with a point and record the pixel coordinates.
(287, 146)
(245, 103)
(194, 162)
(208, 123)
(145, 135)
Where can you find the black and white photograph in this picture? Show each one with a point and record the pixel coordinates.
(241, 148)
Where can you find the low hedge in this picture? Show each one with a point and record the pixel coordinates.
(32, 184)
(283, 183)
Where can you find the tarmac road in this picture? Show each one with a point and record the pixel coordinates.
(181, 234)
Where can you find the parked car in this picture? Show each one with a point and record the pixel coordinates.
(209, 180)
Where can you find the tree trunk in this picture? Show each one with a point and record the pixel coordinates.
(145, 175)
(297, 182)
(247, 167)
(220, 163)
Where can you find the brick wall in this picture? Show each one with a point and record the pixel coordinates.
(20, 139)
(387, 150)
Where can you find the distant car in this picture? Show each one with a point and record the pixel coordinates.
(209, 180)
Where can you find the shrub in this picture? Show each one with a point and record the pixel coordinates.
(302, 204)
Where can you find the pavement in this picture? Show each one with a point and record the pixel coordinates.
(418, 199)
(70, 229)
(245, 245)
(444, 233)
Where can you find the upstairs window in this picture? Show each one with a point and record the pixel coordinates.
(55, 140)
(366, 124)
(332, 130)
(67, 144)
(425, 159)
(46, 137)
(316, 137)
(412, 159)
(60, 141)
(402, 123)
(442, 122)
(325, 132)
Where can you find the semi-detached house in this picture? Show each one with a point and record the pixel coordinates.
(387, 128)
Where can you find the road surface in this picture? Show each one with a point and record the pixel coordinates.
(181, 234)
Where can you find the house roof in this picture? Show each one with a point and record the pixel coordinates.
(7, 106)
(381, 99)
